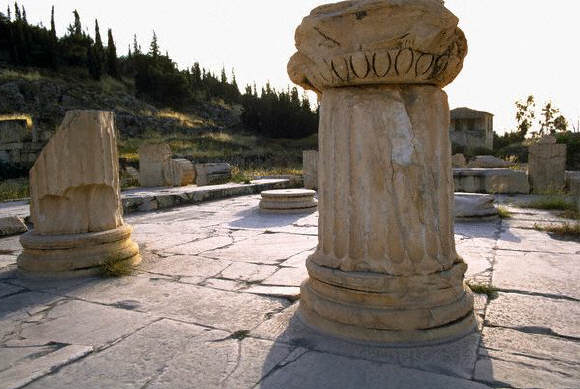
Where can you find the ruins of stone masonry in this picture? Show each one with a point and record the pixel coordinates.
(386, 268)
(471, 129)
(76, 202)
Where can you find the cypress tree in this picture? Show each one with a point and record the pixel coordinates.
(112, 60)
(154, 47)
(136, 47)
(17, 12)
(24, 15)
(98, 53)
(77, 28)
(9, 14)
(52, 24)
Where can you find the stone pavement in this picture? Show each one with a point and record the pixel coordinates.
(213, 306)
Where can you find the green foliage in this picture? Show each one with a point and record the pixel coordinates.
(278, 114)
(551, 202)
(488, 290)
(572, 141)
(503, 212)
(562, 229)
(13, 189)
(551, 122)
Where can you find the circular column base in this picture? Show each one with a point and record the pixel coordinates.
(380, 308)
(77, 254)
(288, 201)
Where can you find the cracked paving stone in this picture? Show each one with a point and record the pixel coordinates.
(7, 290)
(185, 266)
(298, 260)
(534, 314)
(190, 303)
(218, 283)
(455, 358)
(16, 309)
(27, 371)
(289, 276)
(266, 248)
(531, 240)
(548, 273)
(527, 360)
(85, 323)
(170, 354)
(162, 241)
(248, 272)
(200, 246)
(321, 370)
(288, 292)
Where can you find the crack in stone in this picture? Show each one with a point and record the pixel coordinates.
(535, 330)
(540, 294)
(284, 363)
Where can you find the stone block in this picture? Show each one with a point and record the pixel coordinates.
(310, 169)
(474, 206)
(458, 161)
(13, 131)
(488, 162)
(12, 225)
(212, 173)
(182, 172)
(547, 167)
(492, 181)
(155, 165)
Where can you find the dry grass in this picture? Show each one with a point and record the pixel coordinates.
(503, 212)
(489, 290)
(551, 202)
(563, 229)
(12, 74)
(185, 120)
(112, 267)
(18, 116)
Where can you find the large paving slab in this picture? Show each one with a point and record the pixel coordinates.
(556, 275)
(321, 370)
(182, 301)
(170, 354)
(522, 360)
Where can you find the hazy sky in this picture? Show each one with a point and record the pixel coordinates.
(516, 47)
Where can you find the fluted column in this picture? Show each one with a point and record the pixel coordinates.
(386, 268)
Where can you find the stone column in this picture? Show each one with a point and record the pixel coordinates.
(386, 268)
(75, 201)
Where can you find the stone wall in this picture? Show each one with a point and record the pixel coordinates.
(471, 129)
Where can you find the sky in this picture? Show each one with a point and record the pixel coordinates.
(516, 47)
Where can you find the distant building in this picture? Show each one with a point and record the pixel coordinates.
(471, 129)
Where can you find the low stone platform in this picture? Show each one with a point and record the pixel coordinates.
(288, 201)
(493, 181)
(213, 305)
(153, 199)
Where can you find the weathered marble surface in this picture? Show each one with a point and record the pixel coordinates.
(370, 42)
(155, 165)
(76, 201)
(193, 319)
(547, 167)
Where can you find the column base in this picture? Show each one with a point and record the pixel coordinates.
(76, 255)
(380, 308)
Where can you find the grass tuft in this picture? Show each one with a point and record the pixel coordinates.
(551, 203)
(112, 267)
(488, 290)
(503, 212)
(564, 229)
(14, 190)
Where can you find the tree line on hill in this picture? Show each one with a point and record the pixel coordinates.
(156, 77)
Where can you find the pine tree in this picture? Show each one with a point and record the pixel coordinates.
(24, 15)
(223, 77)
(154, 47)
(52, 24)
(112, 60)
